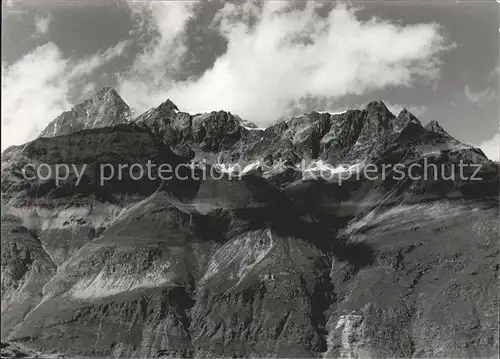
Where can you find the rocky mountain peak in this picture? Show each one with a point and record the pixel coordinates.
(378, 116)
(406, 114)
(107, 90)
(106, 94)
(168, 106)
(434, 126)
(376, 120)
(157, 115)
(404, 119)
(378, 107)
(105, 109)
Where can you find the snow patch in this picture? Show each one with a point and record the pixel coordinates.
(237, 168)
(128, 116)
(333, 113)
(323, 167)
(254, 128)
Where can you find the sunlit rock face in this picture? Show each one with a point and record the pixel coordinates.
(291, 251)
(106, 109)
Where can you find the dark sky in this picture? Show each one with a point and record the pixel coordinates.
(463, 96)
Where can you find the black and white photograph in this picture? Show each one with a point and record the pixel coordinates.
(250, 179)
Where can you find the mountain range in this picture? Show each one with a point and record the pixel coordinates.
(291, 250)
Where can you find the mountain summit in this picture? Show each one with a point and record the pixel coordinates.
(105, 109)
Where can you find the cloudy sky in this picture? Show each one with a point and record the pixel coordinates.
(261, 60)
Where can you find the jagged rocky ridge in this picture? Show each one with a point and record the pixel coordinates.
(276, 263)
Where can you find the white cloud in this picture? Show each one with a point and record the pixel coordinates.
(491, 147)
(480, 98)
(91, 63)
(277, 55)
(36, 89)
(154, 66)
(42, 24)
(87, 91)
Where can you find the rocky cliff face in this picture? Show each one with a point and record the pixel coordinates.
(276, 262)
